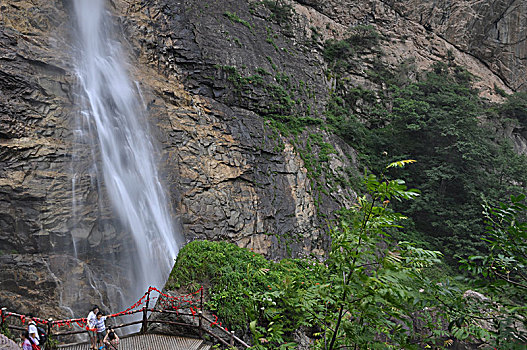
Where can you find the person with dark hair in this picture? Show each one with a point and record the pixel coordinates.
(26, 336)
(101, 328)
(90, 324)
(26, 343)
(111, 340)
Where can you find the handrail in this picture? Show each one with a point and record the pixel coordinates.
(81, 322)
(230, 334)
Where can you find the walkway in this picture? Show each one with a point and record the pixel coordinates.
(150, 342)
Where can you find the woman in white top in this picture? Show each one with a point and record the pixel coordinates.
(91, 320)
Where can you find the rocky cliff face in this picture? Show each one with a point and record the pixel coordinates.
(211, 74)
(493, 32)
(35, 105)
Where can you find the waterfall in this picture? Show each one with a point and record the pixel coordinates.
(124, 156)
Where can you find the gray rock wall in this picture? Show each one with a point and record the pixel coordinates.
(35, 107)
(494, 32)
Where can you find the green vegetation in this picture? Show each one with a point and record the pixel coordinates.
(241, 83)
(368, 293)
(502, 272)
(500, 91)
(282, 108)
(515, 107)
(438, 121)
(262, 72)
(52, 343)
(240, 282)
(4, 329)
(281, 11)
(315, 154)
(236, 19)
(341, 53)
(337, 52)
(270, 40)
(374, 283)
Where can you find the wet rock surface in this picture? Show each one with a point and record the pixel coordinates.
(56, 285)
(34, 111)
(27, 285)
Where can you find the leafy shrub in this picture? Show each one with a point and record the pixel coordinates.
(515, 107)
(337, 50)
(281, 11)
(240, 281)
(340, 53)
(501, 273)
(364, 36)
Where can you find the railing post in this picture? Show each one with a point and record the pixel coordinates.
(200, 323)
(145, 313)
(232, 338)
(200, 313)
(2, 313)
(50, 324)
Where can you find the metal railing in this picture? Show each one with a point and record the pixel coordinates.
(201, 328)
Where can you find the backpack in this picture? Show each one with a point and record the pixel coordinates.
(42, 335)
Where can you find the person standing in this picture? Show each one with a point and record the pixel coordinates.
(26, 344)
(101, 328)
(90, 324)
(32, 330)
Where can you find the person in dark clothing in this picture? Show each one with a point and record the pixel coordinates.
(111, 340)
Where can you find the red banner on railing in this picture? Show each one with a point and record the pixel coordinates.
(165, 301)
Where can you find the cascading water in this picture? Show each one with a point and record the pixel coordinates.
(113, 116)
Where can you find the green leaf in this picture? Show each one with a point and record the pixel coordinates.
(401, 163)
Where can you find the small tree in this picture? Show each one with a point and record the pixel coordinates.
(371, 287)
(503, 273)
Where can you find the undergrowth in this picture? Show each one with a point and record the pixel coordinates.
(235, 278)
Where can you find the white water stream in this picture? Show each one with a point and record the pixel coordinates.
(114, 117)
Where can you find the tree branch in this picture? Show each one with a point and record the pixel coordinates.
(505, 278)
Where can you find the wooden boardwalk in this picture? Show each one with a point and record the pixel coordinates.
(150, 342)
